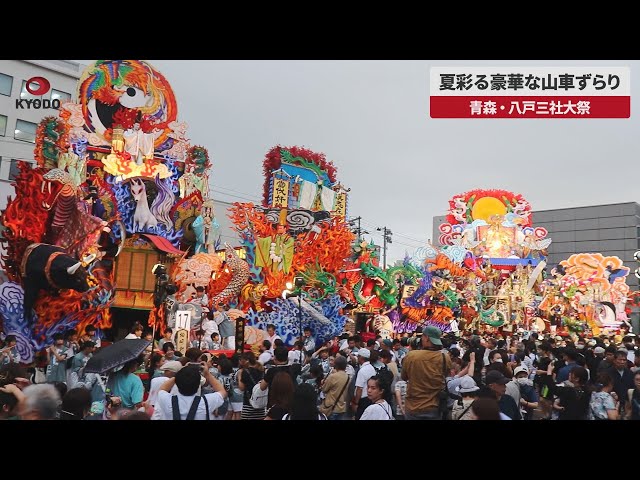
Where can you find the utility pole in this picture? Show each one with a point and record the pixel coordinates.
(358, 231)
(386, 235)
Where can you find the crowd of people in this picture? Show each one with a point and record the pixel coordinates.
(425, 376)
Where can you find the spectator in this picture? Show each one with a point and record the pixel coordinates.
(41, 402)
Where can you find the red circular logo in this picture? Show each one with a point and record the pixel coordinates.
(42, 83)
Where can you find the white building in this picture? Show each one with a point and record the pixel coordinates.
(18, 120)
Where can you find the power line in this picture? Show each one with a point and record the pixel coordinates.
(231, 195)
(238, 191)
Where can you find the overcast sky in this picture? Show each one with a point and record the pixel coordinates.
(371, 118)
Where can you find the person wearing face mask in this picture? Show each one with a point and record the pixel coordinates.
(528, 394)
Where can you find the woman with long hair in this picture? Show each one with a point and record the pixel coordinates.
(574, 396)
(155, 362)
(280, 396)
(379, 392)
(248, 376)
(304, 405)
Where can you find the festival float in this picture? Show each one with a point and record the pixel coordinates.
(117, 188)
(586, 294)
(486, 274)
(299, 232)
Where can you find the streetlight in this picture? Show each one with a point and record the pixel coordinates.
(299, 283)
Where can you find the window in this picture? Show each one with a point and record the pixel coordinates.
(60, 95)
(25, 131)
(3, 125)
(25, 95)
(6, 82)
(14, 170)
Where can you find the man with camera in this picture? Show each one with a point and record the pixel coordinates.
(187, 404)
(425, 370)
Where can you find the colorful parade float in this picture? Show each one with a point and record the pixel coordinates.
(586, 294)
(490, 273)
(487, 272)
(117, 188)
(296, 244)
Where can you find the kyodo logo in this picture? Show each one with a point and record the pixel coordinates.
(37, 86)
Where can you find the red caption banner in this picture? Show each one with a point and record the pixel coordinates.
(546, 106)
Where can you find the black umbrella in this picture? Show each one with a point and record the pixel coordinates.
(115, 355)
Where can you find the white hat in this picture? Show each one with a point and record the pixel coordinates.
(598, 350)
(467, 384)
(173, 366)
(364, 353)
(520, 369)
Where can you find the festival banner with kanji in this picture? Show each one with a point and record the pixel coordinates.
(279, 199)
(340, 207)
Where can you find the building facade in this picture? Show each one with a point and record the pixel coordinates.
(18, 118)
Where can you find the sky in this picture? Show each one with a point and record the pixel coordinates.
(371, 118)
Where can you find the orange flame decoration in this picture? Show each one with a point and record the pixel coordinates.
(438, 313)
(442, 262)
(216, 286)
(329, 248)
(25, 219)
(158, 315)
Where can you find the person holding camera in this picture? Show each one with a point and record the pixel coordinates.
(187, 404)
(425, 370)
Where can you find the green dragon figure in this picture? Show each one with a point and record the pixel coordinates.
(384, 284)
(320, 284)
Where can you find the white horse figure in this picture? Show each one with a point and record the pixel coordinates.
(142, 218)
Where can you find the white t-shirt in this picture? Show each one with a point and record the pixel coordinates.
(295, 356)
(131, 336)
(265, 357)
(272, 338)
(378, 411)
(209, 327)
(364, 374)
(163, 404)
(154, 388)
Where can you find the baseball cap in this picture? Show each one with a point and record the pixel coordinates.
(495, 376)
(173, 366)
(364, 352)
(520, 369)
(467, 384)
(434, 334)
(388, 342)
(598, 350)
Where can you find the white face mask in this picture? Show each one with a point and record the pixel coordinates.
(497, 360)
(523, 381)
(579, 346)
